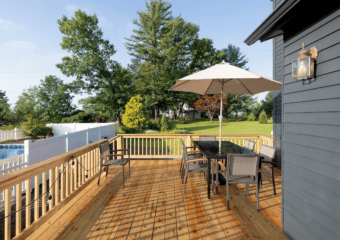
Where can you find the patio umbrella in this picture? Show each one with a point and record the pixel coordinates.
(225, 78)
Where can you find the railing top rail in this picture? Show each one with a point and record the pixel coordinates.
(264, 136)
(23, 174)
(184, 135)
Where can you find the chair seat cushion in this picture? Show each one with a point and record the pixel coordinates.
(197, 167)
(116, 162)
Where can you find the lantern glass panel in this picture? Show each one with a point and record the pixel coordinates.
(303, 67)
(312, 73)
(294, 69)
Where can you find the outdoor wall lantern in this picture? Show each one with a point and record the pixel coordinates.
(303, 67)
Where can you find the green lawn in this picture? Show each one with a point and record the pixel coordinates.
(203, 126)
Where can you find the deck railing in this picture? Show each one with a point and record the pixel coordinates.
(70, 172)
(145, 146)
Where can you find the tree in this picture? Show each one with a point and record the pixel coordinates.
(232, 54)
(106, 102)
(27, 104)
(91, 62)
(54, 99)
(34, 128)
(238, 103)
(209, 104)
(135, 115)
(257, 110)
(5, 111)
(263, 117)
(267, 104)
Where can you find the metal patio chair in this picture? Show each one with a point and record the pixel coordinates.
(241, 169)
(268, 161)
(105, 152)
(250, 145)
(192, 165)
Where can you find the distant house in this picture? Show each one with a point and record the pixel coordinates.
(188, 112)
(306, 115)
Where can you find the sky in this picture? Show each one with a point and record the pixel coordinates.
(30, 38)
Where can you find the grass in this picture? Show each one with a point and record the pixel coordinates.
(203, 126)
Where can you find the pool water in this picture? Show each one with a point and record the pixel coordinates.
(9, 150)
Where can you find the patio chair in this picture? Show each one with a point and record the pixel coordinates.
(192, 150)
(241, 169)
(192, 165)
(105, 152)
(246, 143)
(251, 145)
(191, 156)
(207, 138)
(268, 161)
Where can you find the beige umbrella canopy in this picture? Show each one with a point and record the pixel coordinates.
(225, 78)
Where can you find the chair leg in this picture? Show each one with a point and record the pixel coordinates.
(246, 192)
(183, 175)
(180, 167)
(123, 174)
(261, 179)
(186, 179)
(129, 168)
(227, 186)
(257, 197)
(100, 171)
(273, 181)
(107, 169)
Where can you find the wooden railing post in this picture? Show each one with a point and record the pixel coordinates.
(188, 141)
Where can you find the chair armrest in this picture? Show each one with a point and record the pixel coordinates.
(222, 166)
(192, 147)
(125, 150)
(193, 153)
(197, 160)
(109, 155)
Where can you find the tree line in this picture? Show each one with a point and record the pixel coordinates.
(163, 48)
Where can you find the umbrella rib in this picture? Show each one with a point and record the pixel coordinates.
(245, 87)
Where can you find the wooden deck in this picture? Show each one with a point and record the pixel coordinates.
(152, 206)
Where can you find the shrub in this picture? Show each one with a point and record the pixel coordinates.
(263, 117)
(135, 115)
(35, 128)
(165, 124)
(154, 125)
(181, 119)
(251, 117)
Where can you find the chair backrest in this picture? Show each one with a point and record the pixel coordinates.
(104, 148)
(267, 152)
(184, 152)
(207, 138)
(242, 164)
(246, 143)
(251, 145)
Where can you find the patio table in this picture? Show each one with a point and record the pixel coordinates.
(210, 151)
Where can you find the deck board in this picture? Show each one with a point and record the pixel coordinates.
(152, 206)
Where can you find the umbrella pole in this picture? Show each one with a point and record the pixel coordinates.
(221, 117)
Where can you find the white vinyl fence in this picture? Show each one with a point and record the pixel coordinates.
(10, 165)
(11, 134)
(60, 128)
(37, 151)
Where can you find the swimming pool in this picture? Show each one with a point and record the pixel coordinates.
(9, 150)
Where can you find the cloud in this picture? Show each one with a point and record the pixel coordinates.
(105, 23)
(20, 45)
(9, 26)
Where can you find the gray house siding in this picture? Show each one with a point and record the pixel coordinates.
(311, 134)
(277, 95)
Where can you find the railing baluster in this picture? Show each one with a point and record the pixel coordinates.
(18, 207)
(56, 185)
(79, 171)
(36, 195)
(28, 201)
(51, 186)
(43, 199)
(75, 175)
(82, 169)
(67, 181)
(71, 178)
(8, 214)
